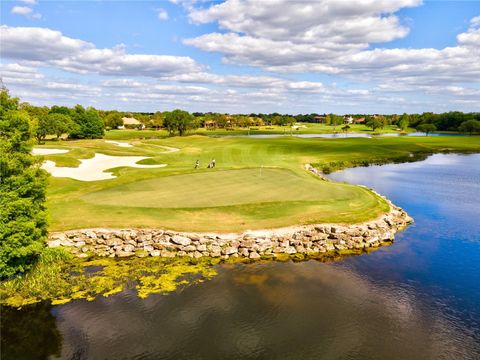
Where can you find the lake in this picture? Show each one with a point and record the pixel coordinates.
(416, 299)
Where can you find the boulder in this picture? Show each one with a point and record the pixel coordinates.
(54, 243)
(254, 255)
(181, 240)
(90, 234)
(122, 254)
(290, 250)
(129, 248)
(230, 250)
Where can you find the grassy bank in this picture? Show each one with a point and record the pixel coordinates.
(258, 183)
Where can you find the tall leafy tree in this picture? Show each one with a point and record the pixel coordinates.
(113, 120)
(404, 121)
(374, 123)
(178, 122)
(157, 120)
(470, 126)
(426, 128)
(23, 224)
(89, 123)
(335, 120)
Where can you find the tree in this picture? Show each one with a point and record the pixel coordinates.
(62, 124)
(335, 120)
(23, 224)
(90, 125)
(470, 126)
(113, 120)
(52, 124)
(178, 121)
(403, 122)
(374, 123)
(426, 128)
(157, 120)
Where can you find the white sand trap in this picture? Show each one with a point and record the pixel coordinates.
(121, 144)
(44, 151)
(94, 169)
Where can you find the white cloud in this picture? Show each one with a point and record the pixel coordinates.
(333, 37)
(475, 21)
(21, 10)
(52, 48)
(162, 14)
(276, 33)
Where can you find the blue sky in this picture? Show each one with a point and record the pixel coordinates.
(244, 56)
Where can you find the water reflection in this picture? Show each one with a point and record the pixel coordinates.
(29, 333)
(288, 311)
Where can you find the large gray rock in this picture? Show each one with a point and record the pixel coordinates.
(254, 255)
(124, 254)
(129, 248)
(90, 234)
(181, 240)
(290, 250)
(54, 243)
(230, 250)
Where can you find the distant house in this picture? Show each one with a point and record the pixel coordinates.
(321, 119)
(132, 123)
(360, 121)
(348, 120)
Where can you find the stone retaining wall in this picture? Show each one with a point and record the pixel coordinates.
(308, 240)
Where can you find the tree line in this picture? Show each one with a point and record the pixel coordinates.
(89, 123)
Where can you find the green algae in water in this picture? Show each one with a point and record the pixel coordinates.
(60, 278)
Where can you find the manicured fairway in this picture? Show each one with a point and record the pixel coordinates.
(258, 183)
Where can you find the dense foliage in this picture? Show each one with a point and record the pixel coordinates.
(470, 126)
(113, 120)
(178, 122)
(56, 124)
(23, 224)
(426, 128)
(89, 123)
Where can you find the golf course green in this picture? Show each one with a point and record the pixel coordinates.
(256, 184)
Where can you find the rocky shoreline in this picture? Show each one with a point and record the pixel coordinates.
(299, 241)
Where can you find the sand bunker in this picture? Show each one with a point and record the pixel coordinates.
(44, 151)
(94, 169)
(121, 144)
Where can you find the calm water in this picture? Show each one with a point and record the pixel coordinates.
(417, 299)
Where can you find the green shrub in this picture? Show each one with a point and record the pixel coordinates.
(23, 224)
